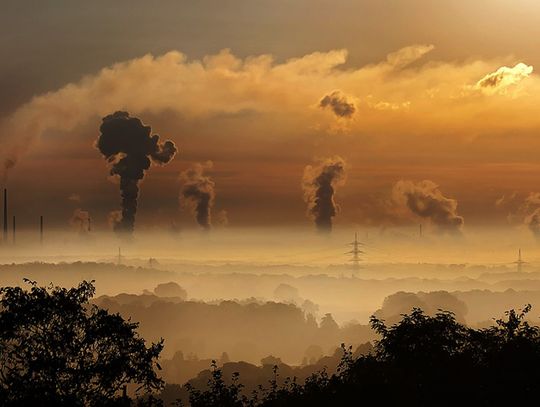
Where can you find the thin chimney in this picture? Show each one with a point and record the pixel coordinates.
(5, 215)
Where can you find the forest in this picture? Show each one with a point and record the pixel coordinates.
(74, 352)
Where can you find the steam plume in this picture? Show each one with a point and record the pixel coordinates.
(129, 146)
(319, 185)
(198, 190)
(424, 199)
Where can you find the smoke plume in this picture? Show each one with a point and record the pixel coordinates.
(339, 103)
(319, 185)
(198, 191)
(130, 149)
(425, 200)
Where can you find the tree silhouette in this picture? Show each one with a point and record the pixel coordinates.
(420, 361)
(57, 349)
(219, 394)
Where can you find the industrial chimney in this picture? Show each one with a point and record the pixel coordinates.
(5, 216)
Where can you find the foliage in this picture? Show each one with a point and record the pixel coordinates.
(219, 394)
(422, 361)
(57, 349)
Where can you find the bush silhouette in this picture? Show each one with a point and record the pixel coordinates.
(56, 349)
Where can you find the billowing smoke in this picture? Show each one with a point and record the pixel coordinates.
(319, 185)
(81, 220)
(198, 191)
(424, 199)
(339, 103)
(130, 148)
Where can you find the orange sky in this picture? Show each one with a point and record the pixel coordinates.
(413, 111)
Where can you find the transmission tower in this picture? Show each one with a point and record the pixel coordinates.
(355, 252)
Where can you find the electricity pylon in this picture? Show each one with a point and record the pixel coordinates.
(356, 252)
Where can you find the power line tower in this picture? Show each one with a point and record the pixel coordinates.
(520, 263)
(355, 252)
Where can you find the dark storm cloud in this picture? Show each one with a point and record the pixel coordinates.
(130, 148)
(339, 103)
(425, 200)
(319, 185)
(198, 191)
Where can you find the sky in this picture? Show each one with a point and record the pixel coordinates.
(429, 109)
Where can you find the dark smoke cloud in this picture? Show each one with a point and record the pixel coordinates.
(339, 103)
(424, 199)
(130, 148)
(319, 185)
(198, 191)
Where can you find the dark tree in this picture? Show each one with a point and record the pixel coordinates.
(57, 349)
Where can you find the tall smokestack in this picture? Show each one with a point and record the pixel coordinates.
(5, 216)
(41, 229)
(13, 230)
